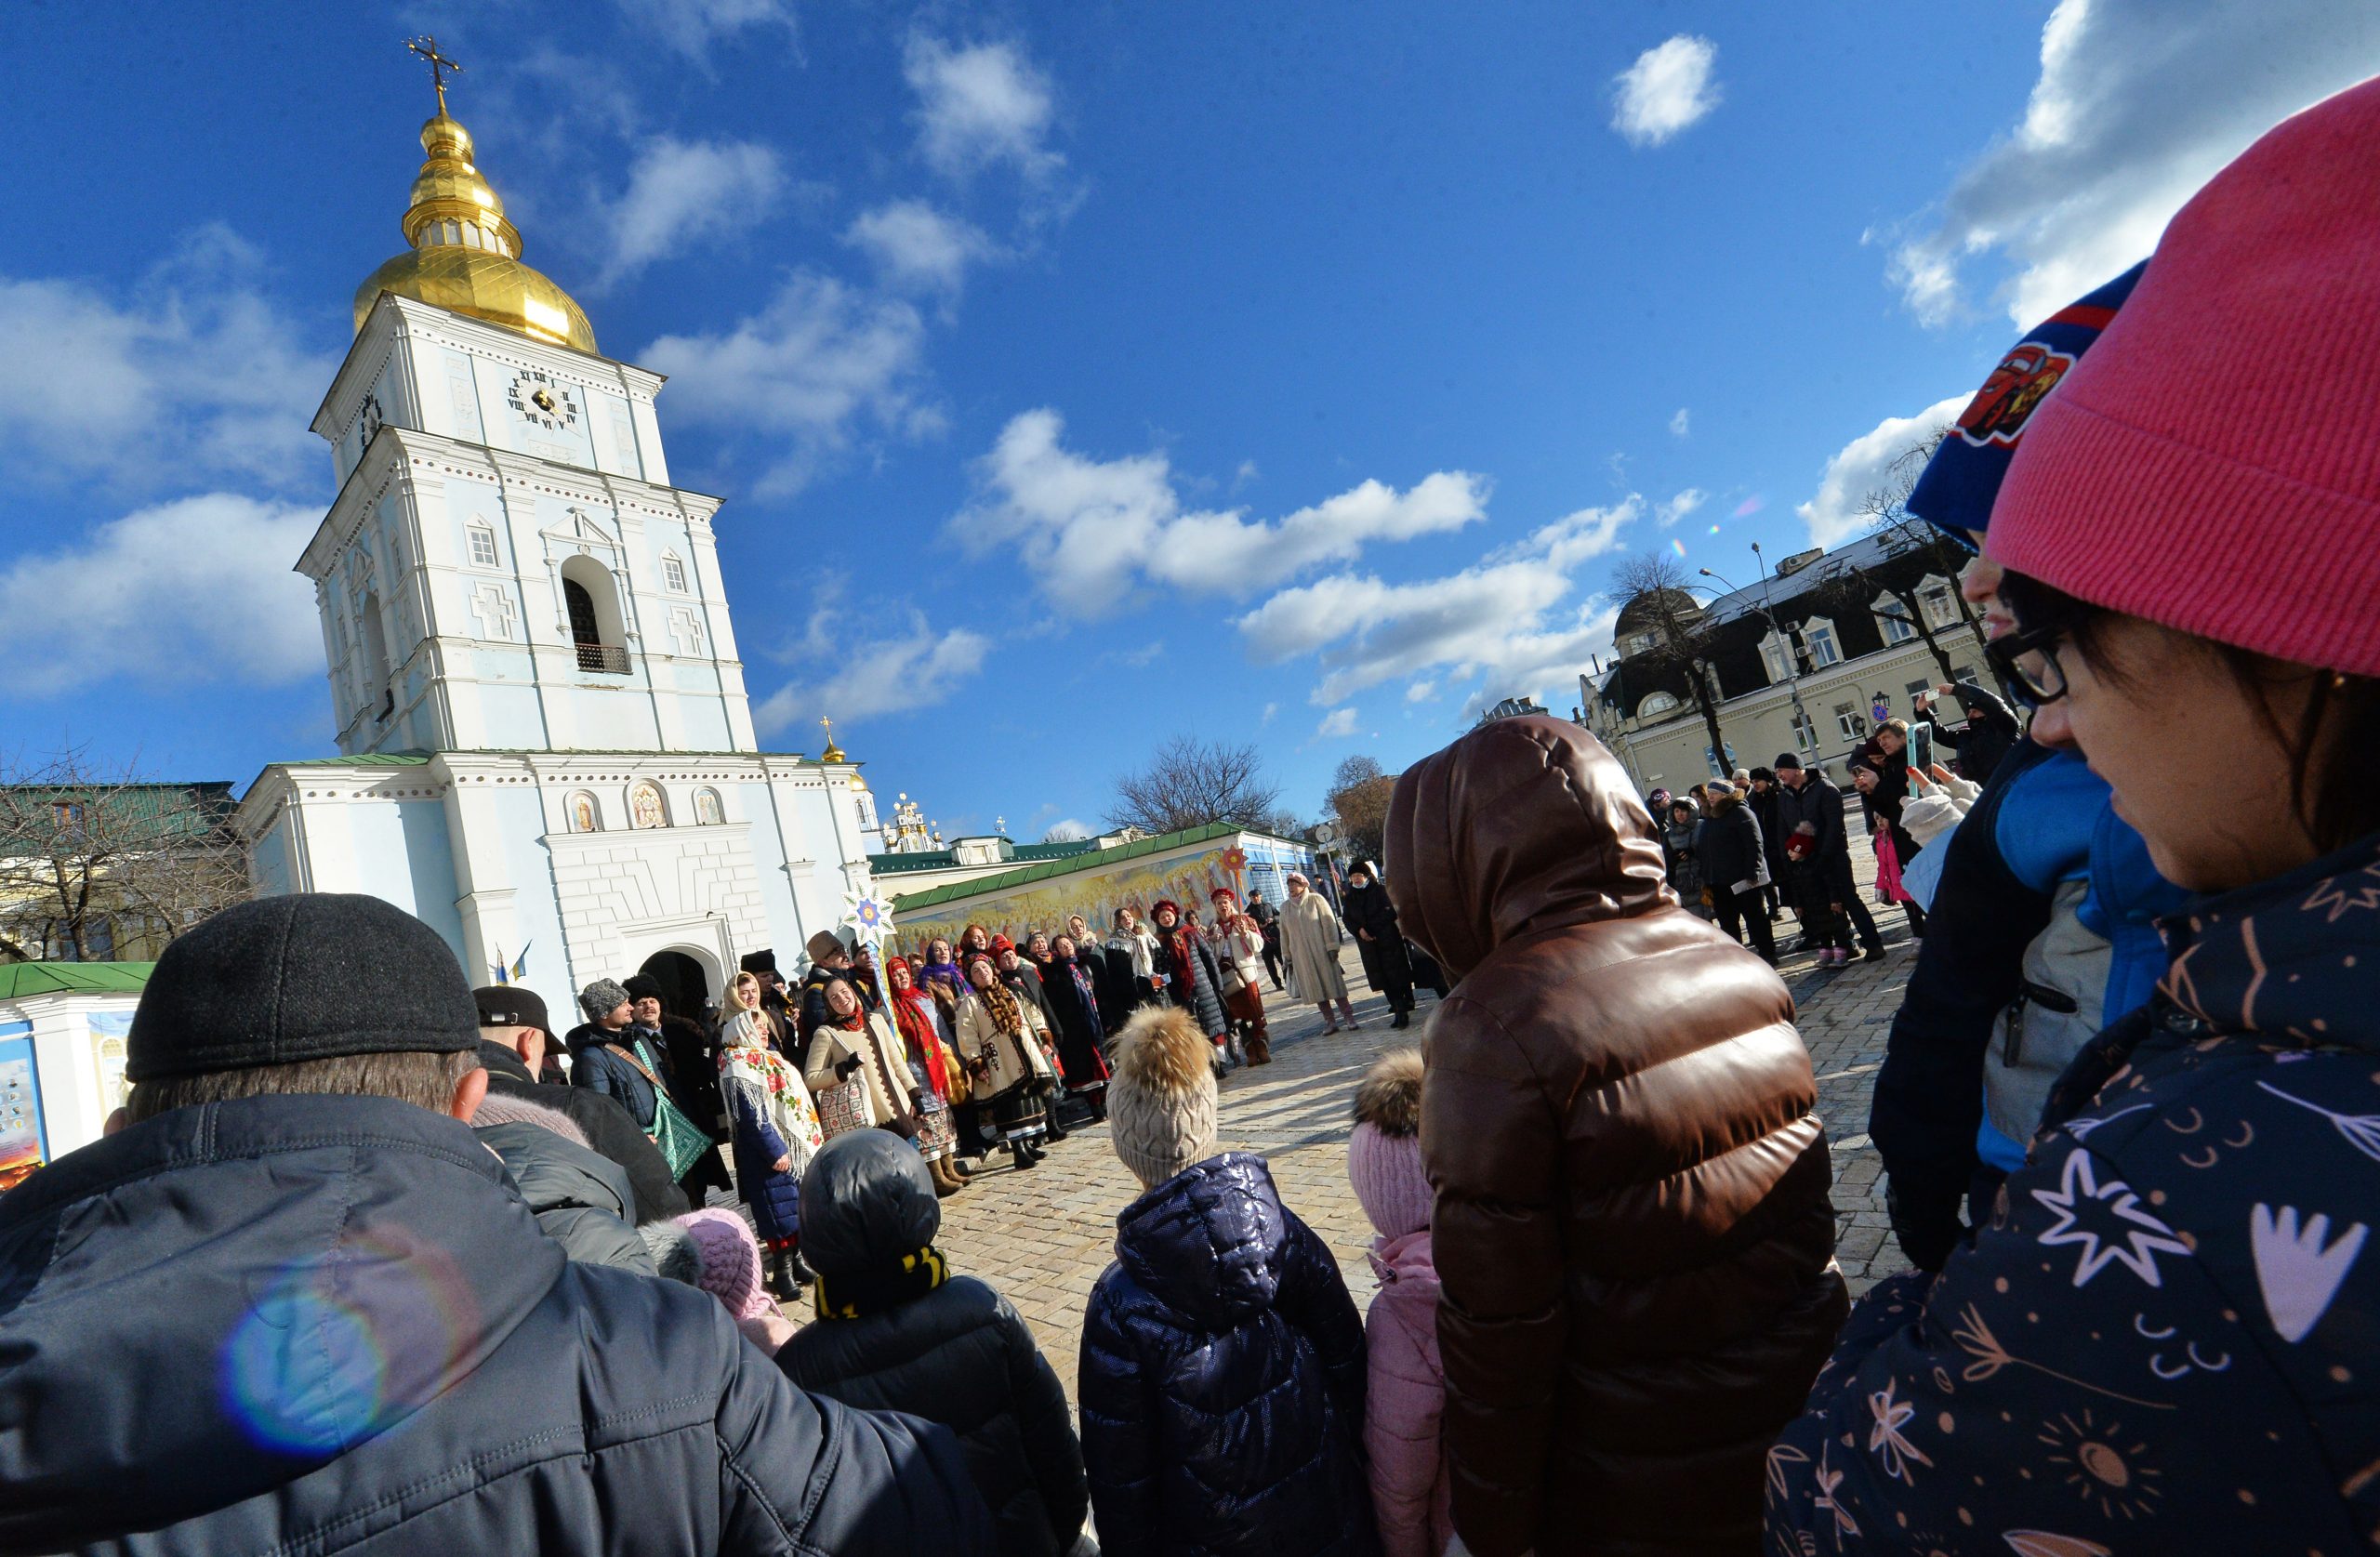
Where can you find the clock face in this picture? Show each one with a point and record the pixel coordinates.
(538, 399)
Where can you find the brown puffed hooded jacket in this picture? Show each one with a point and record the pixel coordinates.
(1632, 1226)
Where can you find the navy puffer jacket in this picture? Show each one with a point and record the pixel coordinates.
(1221, 1384)
(327, 1324)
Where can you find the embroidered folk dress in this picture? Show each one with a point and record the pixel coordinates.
(770, 1115)
(2165, 1342)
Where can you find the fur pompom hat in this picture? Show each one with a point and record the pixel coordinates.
(1384, 1150)
(1161, 1099)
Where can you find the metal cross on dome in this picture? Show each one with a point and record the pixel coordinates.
(426, 47)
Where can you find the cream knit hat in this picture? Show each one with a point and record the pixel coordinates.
(1161, 1100)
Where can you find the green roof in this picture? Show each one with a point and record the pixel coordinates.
(18, 980)
(946, 859)
(1087, 860)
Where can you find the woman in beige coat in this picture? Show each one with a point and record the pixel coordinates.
(854, 1044)
(1310, 948)
(1000, 1038)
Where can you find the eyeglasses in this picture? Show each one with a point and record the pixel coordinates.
(2027, 661)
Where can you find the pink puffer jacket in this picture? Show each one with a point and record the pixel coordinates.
(1405, 1398)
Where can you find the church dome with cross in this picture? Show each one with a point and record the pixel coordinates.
(465, 255)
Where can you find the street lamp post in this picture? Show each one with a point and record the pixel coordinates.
(1792, 679)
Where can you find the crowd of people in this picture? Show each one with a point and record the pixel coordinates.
(356, 1268)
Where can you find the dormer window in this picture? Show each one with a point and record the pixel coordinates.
(1818, 634)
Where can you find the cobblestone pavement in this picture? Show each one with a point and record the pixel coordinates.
(1043, 1236)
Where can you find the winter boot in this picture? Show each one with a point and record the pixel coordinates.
(773, 1276)
(945, 1186)
(1260, 1046)
(796, 1272)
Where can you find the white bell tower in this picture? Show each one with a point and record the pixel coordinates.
(507, 566)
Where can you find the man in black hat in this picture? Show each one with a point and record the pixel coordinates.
(515, 1041)
(290, 1303)
(1824, 889)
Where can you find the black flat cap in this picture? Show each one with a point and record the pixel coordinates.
(307, 976)
(511, 1005)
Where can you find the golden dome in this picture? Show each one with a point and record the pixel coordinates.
(466, 256)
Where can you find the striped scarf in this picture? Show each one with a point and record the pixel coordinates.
(853, 1297)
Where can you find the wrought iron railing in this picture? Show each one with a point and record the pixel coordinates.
(606, 659)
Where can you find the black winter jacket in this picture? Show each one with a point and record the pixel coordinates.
(1768, 808)
(1221, 1380)
(960, 1355)
(1991, 733)
(579, 1198)
(2164, 1341)
(326, 1324)
(605, 1124)
(1928, 1100)
(600, 1061)
(1729, 845)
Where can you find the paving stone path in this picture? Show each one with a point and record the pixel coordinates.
(1042, 1236)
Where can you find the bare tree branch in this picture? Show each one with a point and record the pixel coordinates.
(1191, 783)
(1652, 590)
(100, 862)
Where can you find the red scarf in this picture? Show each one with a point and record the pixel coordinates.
(914, 1017)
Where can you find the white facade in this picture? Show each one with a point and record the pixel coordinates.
(571, 807)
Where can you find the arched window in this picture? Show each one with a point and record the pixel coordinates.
(585, 816)
(647, 808)
(376, 659)
(707, 810)
(594, 610)
(1656, 705)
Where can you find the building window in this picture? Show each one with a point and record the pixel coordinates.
(645, 809)
(1805, 732)
(67, 816)
(1776, 658)
(1819, 633)
(673, 573)
(593, 611)
(1934, 600)
(1893, 618)
(708, 812)
(1656, 705)
(1850, 721)
(482, 545)
(1916, 690)
(1636, 643)
(584, 816)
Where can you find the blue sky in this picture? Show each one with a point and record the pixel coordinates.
(1078, 375)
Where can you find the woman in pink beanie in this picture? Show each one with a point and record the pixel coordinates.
(1406, 1389)
(2168, 1338)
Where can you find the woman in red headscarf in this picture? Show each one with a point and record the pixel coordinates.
(919, 1020)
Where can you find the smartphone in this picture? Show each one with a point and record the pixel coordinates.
(1921, 748)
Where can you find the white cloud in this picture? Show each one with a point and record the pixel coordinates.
(1421, 691)
(691, 26)
(1681, 422)
(192, 372)
(1270, 709)
(198, 590)
(1069, 831)
(863, 677)
(979, 107)
(1864, 466)
(685, 195)
(1497, 620)
(820, 358)
(1336, 725)
(1089, 529)
(2138, 102)
(1667, 89)
(1677, 507)
(918, 246)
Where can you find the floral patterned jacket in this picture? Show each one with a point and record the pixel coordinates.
(2168, 1339)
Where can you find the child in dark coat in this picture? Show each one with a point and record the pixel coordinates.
(1222, 1382)
(897, 1331)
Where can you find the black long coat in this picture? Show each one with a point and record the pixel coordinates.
(1385, 965)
